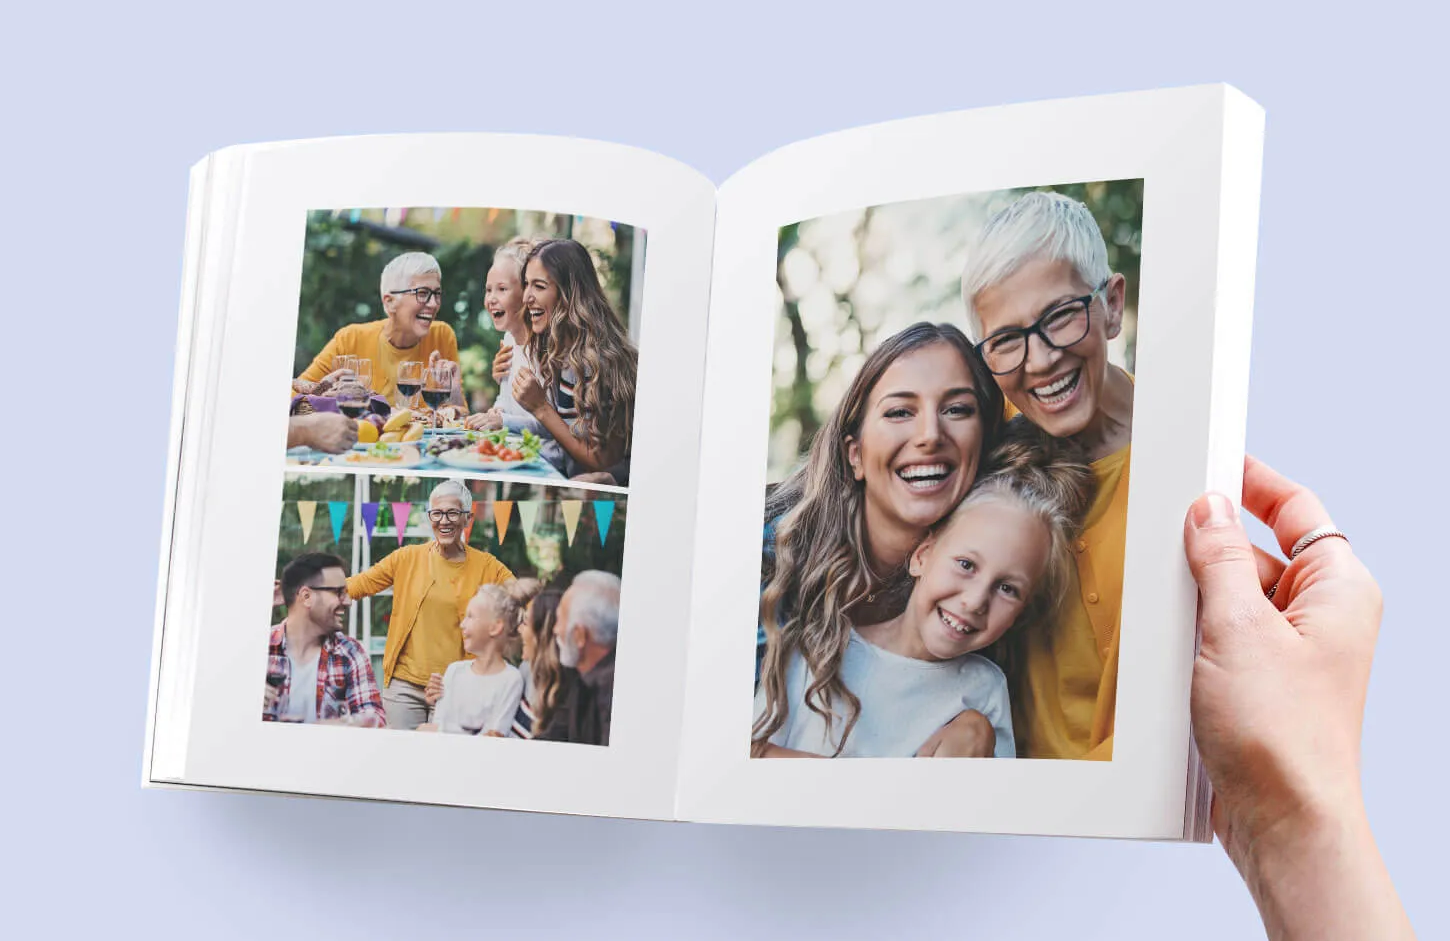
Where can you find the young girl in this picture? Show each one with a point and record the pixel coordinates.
(480, 696)
(1003, 557)
(503, 298)
(581, 388)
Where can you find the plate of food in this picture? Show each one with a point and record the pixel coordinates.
(381, 454)
(487, 451)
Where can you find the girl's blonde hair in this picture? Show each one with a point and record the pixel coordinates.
(1050, 479)
(586, 337)
(503, 605)
(818, 571)
(516, 252)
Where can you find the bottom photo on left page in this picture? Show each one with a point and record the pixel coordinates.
(445, 606)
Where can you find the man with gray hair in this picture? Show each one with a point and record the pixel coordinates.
(411, 290)
(586, 628)
(1042, 305)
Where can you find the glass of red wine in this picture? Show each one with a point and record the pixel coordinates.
(437, 387)
(352, 398)
(410, 382)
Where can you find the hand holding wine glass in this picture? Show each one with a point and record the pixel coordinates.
(437, 387)
(410, 382)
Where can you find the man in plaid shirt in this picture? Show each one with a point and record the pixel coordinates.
(316, 673)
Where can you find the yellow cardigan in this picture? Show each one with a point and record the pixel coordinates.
(409, 572)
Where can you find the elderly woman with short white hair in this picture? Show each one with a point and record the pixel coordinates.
(432, 584)
(412, 296)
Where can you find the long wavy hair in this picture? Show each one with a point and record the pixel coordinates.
(585, 336)
(545, 666)
(819, 571)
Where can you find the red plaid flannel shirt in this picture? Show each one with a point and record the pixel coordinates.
(345, 666)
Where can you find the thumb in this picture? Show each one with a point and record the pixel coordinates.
(1222, 561)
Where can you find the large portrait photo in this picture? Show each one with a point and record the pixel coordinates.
(946, 503)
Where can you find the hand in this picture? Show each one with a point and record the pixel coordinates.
(1277, 705)
(484, 421)
(502, 360)
(323, 431)
(426, 727)
(969, 735)
(434, 690)
(596, 477)
(527, 391)
(270, 699)
(493, 733)
(449, 367)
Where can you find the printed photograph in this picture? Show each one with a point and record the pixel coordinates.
(465, 607)
(946, 507)
(485, 342)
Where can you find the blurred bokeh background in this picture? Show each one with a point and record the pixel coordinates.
(346, 250)
(848, 281)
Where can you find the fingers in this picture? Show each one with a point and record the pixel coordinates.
(1287, 508)
(1223, 563)
(1270, 568)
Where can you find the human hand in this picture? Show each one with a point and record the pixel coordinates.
(448, 367)
(484, 421)
(270, 699)
(502, 360)
(434, 690)
(493, 733)
(330, 432)
(527, 391)
(969, 735)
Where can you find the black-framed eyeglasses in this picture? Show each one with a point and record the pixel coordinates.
(424, 295)
(451, 516)
(340, 591)
(1061, 327)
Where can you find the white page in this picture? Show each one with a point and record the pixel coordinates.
(1198, 151)
(225, 600)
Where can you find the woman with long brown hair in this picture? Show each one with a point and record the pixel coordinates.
(582, 386)
(897, 455)
(543, 674)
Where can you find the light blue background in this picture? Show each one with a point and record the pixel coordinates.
(105, 108)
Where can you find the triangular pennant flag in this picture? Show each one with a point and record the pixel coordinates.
(571, 516)
(336, 213)
(306, 510)
(603, 513)
(337, 509)
(528, 513)
(502, 510)
(370, 516)
(492, 214)
(402, 216)
(472, 517)
(437, 213)
(354, 216)
(456, 211)
(401, 510)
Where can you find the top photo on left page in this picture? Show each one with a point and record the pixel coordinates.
(484, 342)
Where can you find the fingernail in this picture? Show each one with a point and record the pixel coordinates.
(1213, 511)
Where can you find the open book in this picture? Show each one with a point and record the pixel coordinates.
(596, 488)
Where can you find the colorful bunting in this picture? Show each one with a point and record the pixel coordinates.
(492, 215)
(456, 211)
(337, 509)
(468, 527)
(402, 216)
(437, 213)
(354, 215)
(571, 516)
(306, 510)
(528, 513)
(401, 511)
(603, 513)
(370, 516)
(501, 512)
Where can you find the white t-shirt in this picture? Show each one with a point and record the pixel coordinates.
(301, 705)
(506, 402)
(474, 703)
(903, 703)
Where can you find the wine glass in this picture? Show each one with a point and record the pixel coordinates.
(410, 381)
(352, 398)
(437, 387)
(363, 369)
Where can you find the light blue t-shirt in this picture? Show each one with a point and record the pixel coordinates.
(903, 703)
